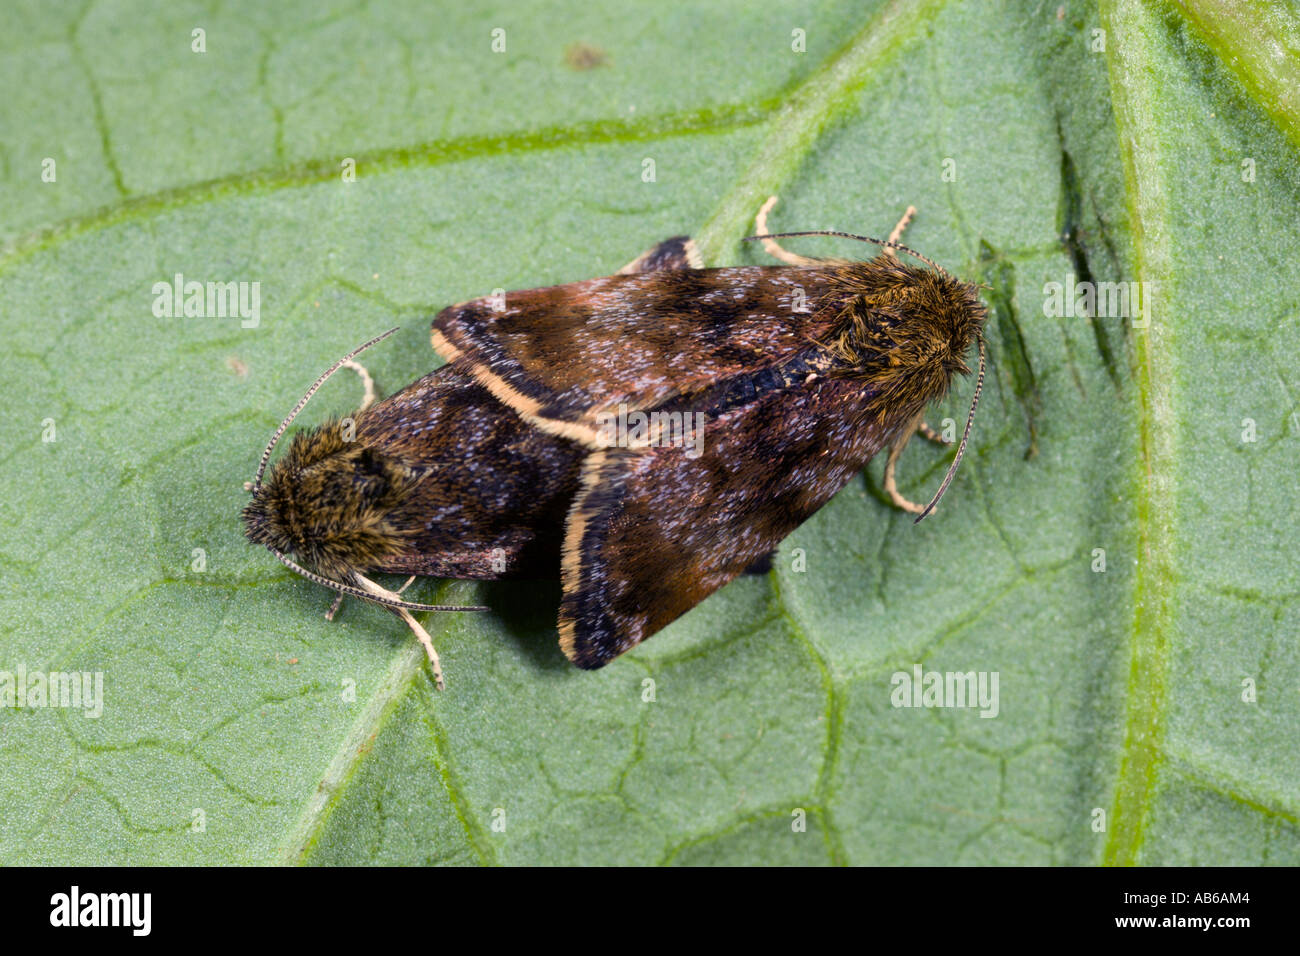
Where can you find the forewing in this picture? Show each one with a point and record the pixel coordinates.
(493, 491)
(642, 339)
(653, 532)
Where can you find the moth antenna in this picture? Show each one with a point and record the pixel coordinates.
(848, 235)
(367, 595)
(266, 455)
(970, 419)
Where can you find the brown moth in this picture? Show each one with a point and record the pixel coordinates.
(439, 479)
(802, 373)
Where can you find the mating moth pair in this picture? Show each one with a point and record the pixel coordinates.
(499, 464)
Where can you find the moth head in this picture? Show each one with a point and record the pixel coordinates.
(944, 316)
(334, 501)
(330, 500)
(905, 330)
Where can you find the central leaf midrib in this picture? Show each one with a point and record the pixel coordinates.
(1146, 693)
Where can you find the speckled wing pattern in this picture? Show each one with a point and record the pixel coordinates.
(498, 487)
(653, 532)
(643, 339)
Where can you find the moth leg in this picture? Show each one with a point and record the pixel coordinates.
(420, 633)
(891, 488)
(338, 600)
(771, 246)
(679, 252)
(761, 565)
(898, 234)
(927, 432)
(895, 450)
(366, 380)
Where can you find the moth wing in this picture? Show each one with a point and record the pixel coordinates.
(643, 338)
(679, 252)
(499, 487)
(653, 532)
(493, 491)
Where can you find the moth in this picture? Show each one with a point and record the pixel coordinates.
(439, 479)
(557, 432)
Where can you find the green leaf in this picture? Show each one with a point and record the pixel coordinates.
(238, 726)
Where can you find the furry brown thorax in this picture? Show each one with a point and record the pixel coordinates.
(334, 502)
(905, 329)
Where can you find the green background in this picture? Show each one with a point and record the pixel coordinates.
(227, 693)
